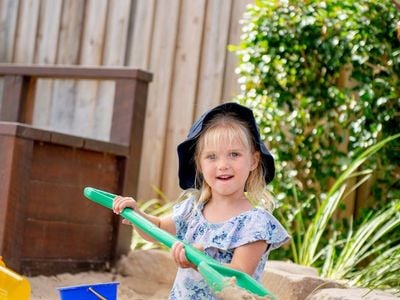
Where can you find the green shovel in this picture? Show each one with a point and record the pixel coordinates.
(216, 275)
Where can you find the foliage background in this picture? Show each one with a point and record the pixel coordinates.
(323, 80)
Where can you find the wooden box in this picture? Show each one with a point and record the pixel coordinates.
(47, 226)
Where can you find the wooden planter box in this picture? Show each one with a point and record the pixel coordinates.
(47, 226)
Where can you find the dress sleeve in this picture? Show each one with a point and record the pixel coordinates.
(260, 225)
(181, 213)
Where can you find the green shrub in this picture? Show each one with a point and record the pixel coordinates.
(323, 79)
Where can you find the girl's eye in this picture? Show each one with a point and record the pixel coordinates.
(234, 154)
(211, 156)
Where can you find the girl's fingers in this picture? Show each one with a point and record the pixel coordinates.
(182, 258)
(180, 251)
(175, 251)
(179, 255)
(119, 203)
(116, 204)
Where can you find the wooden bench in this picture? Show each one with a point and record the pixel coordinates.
(46, 224)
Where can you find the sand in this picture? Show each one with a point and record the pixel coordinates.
(234, 292)
(131, 287)
(45, 287)
(144, 274)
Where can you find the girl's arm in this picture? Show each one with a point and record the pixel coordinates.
(246, 257)
(165, 223)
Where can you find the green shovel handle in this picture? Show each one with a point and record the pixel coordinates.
(106, 199)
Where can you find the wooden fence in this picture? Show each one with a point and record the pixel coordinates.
(182, 42)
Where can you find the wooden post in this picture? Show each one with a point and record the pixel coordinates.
(18, 99)
(15, 159)
(127, 128)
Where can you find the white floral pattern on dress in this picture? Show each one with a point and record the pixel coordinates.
(219, 241)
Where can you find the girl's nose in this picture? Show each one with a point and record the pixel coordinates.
(222, 164)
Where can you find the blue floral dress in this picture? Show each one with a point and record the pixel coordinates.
(219, 241)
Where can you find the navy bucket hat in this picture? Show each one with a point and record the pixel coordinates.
(187, 165)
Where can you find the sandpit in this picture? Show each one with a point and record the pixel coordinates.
(144, 274)
(149, 274)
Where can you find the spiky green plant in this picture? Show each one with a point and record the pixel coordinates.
(306, 243)
(340, 258)
(370, 246)
(382, 272)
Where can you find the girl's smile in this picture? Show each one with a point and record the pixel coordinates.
(224, 177)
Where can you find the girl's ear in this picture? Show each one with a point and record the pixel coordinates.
(255, 160)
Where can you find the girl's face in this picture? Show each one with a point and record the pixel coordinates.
(226, 165)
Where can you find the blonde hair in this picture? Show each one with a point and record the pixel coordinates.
(227, 125)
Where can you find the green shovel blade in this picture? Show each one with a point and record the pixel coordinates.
(215, 274)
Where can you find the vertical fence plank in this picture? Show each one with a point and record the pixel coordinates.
(184, 89)
(8, 25)
(64, 91)
(139, 50)
(114, 55)
(231, 86)
(48, 28)
(210, 82)
(162, 50)
(70, 32)
(90, 54)
(46, 49)
(26, 31)
(8, 21)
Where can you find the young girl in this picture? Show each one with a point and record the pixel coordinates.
(223, 169)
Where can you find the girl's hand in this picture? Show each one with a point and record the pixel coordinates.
(120, 203)
(179, 255)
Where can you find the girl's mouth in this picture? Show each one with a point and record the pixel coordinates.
(224, 177)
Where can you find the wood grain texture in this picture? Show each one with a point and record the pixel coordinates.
(183, 94)
(45, 53)
(8, 19)
(231, 86)
(18, 155)
(142, 29)
(91, 52)
(162, 58)
(114, 55)
(25, 40)
(182, 42)
(63, 99)
(213, 54)
(43, 205)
